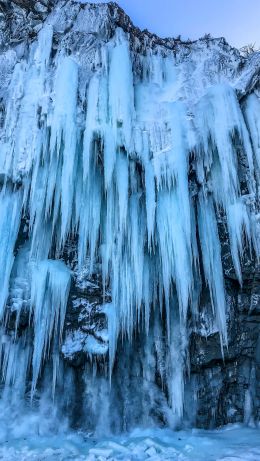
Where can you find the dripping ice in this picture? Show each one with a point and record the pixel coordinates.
(118, 184)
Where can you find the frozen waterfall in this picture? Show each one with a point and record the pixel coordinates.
(112, 183)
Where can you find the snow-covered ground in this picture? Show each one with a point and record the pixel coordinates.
(234, 443)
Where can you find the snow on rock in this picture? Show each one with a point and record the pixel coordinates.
(78, 341)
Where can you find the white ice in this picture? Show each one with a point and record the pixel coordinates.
(233, 443)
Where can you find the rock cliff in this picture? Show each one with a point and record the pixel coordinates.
(130, 221)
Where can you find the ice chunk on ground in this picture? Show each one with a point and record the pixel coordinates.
(233, 443)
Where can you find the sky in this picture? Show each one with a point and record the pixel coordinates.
(236, 20)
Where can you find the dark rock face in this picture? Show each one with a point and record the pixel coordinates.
(227, 381)
(224, 383)
(228, 389)
(21, 20)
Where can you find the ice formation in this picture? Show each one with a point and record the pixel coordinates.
(226, 444)
(136, 175)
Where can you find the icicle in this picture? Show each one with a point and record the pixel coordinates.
(212, 265)
(92, 126)
(90, 218)
(121, 91)
(252, 116)
(174, 213)
(26, 106)
(239, 228)
(19, 292)
(175, 251)
(16, 359)
(149, 190)
(136, 248)
(11, 208)
(176, 362)
(113, 331)
(219, 119)
(109, 155)
(122, 187)
(49, 296)
(221, 127)
(64, 135)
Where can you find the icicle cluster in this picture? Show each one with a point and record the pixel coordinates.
(117, 179)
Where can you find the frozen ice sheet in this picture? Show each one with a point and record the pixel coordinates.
(232, 443)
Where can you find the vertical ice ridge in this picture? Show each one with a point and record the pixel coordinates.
(222, 133)
(27, 104)
(49, 295)
(11, 212)
(211, 257)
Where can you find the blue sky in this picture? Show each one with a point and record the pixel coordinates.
(237, 20)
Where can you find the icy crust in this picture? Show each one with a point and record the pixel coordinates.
(231, 444)
(134, 157)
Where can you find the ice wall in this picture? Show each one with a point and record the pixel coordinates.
(115, 160)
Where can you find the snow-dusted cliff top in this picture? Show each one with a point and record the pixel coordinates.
(82, 28)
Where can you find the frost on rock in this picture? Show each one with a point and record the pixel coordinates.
(118, 169)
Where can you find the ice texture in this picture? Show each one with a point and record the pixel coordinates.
(231, 444)
(49, 295)
(133, 157)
